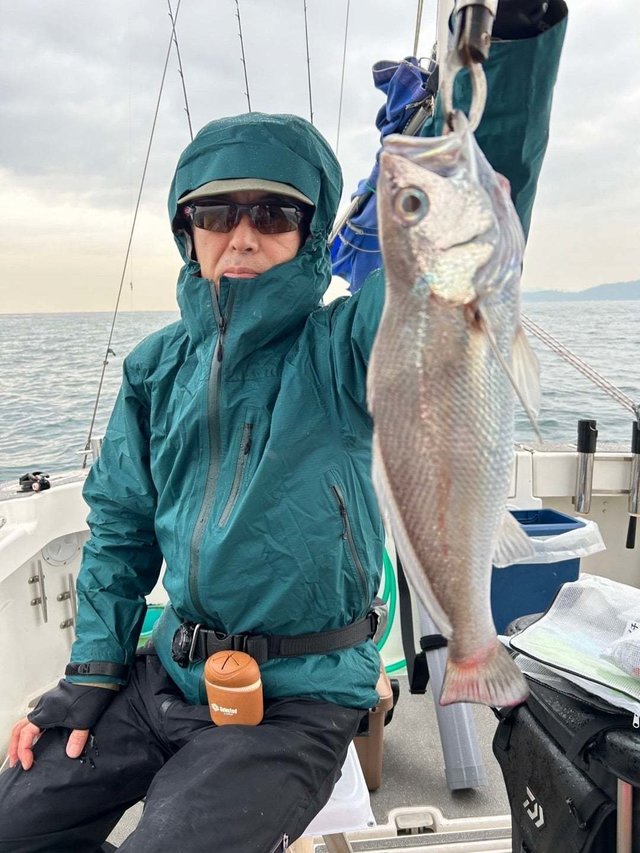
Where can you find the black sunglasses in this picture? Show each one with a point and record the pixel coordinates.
(268, 217)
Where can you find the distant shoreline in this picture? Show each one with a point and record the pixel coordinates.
(614, 292)
(173, 311)
(620, 291)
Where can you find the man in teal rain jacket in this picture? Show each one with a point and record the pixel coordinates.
(239, 453)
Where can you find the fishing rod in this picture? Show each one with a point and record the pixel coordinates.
(580, 364)
(173, 39)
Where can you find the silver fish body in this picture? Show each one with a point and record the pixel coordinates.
(441, 401)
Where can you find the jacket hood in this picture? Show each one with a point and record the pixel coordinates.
(283, 148)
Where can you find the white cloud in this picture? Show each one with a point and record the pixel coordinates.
(80, 83)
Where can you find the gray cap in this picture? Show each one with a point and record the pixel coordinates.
(233, 185)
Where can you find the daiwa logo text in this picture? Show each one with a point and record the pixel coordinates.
(220, 709)
(533, 809)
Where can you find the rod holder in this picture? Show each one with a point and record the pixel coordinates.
(587, 439)
(634, 486)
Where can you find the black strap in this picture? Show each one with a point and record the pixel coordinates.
(264, 647)
(433, 641)
(98, 667)
(417, 664)
(504, 729)
(406, 631)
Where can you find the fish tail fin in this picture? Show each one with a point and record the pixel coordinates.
(491, 679)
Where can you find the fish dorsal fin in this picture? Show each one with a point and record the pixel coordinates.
(525, 374)
(512, 543)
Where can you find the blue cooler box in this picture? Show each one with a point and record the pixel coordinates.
(525, 588)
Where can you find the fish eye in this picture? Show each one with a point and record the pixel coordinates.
(411, 204)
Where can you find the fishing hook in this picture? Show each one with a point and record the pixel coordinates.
(471, 43)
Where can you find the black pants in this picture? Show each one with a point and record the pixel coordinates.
(228, 789)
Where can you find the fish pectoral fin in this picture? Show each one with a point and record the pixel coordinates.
(525, 374)
(512, 544)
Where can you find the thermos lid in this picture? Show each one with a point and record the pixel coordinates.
(232, 669)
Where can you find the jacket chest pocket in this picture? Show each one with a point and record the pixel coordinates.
(238, 473)
(349, 541)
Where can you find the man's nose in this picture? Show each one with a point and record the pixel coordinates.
(244, 236)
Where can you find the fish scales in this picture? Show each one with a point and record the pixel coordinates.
(442, 404)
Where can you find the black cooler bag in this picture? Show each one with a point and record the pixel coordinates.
(561, 759)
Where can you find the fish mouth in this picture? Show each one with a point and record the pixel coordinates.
(443, 150)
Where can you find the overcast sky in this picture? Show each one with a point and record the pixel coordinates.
(80, 81)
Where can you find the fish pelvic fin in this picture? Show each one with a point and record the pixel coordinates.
(524, 375)
(512, 544)
(489, 678)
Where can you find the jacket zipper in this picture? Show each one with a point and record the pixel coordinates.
(347, 535)
(213, 418)
(245, 447)
(281, 845)
(636, 714)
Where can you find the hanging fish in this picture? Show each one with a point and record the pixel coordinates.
(448, 354)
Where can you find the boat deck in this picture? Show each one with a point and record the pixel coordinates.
(413, 766)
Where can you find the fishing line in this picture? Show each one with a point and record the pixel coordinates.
(344, 240)
(608, 387)
(109, 350)
(344, 62)
(246, 79)
(180, 71)
(306, 36)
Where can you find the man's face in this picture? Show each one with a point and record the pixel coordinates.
(244, 252)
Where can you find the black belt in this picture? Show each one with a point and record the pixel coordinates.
(192, 642)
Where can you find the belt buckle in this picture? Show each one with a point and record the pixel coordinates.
(257, 645)
(239, 642)
(194, 639)
(374, 621)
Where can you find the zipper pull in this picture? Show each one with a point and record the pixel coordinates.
(342, 510)
(636, 721)
(222, 328)
(283, 844)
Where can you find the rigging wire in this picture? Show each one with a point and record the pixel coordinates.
(344, 62)
(608, 387)
(109, 350)
(306, 36)
(244, 63)
(180, 71)
(418, 26)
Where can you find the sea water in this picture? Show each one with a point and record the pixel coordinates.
(50, 368)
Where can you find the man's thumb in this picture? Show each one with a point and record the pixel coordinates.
(77, 742)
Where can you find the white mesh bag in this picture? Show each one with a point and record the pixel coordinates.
(580, 629)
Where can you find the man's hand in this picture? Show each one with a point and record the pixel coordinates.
(77, 707)
(517, 19)
(24, 736)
